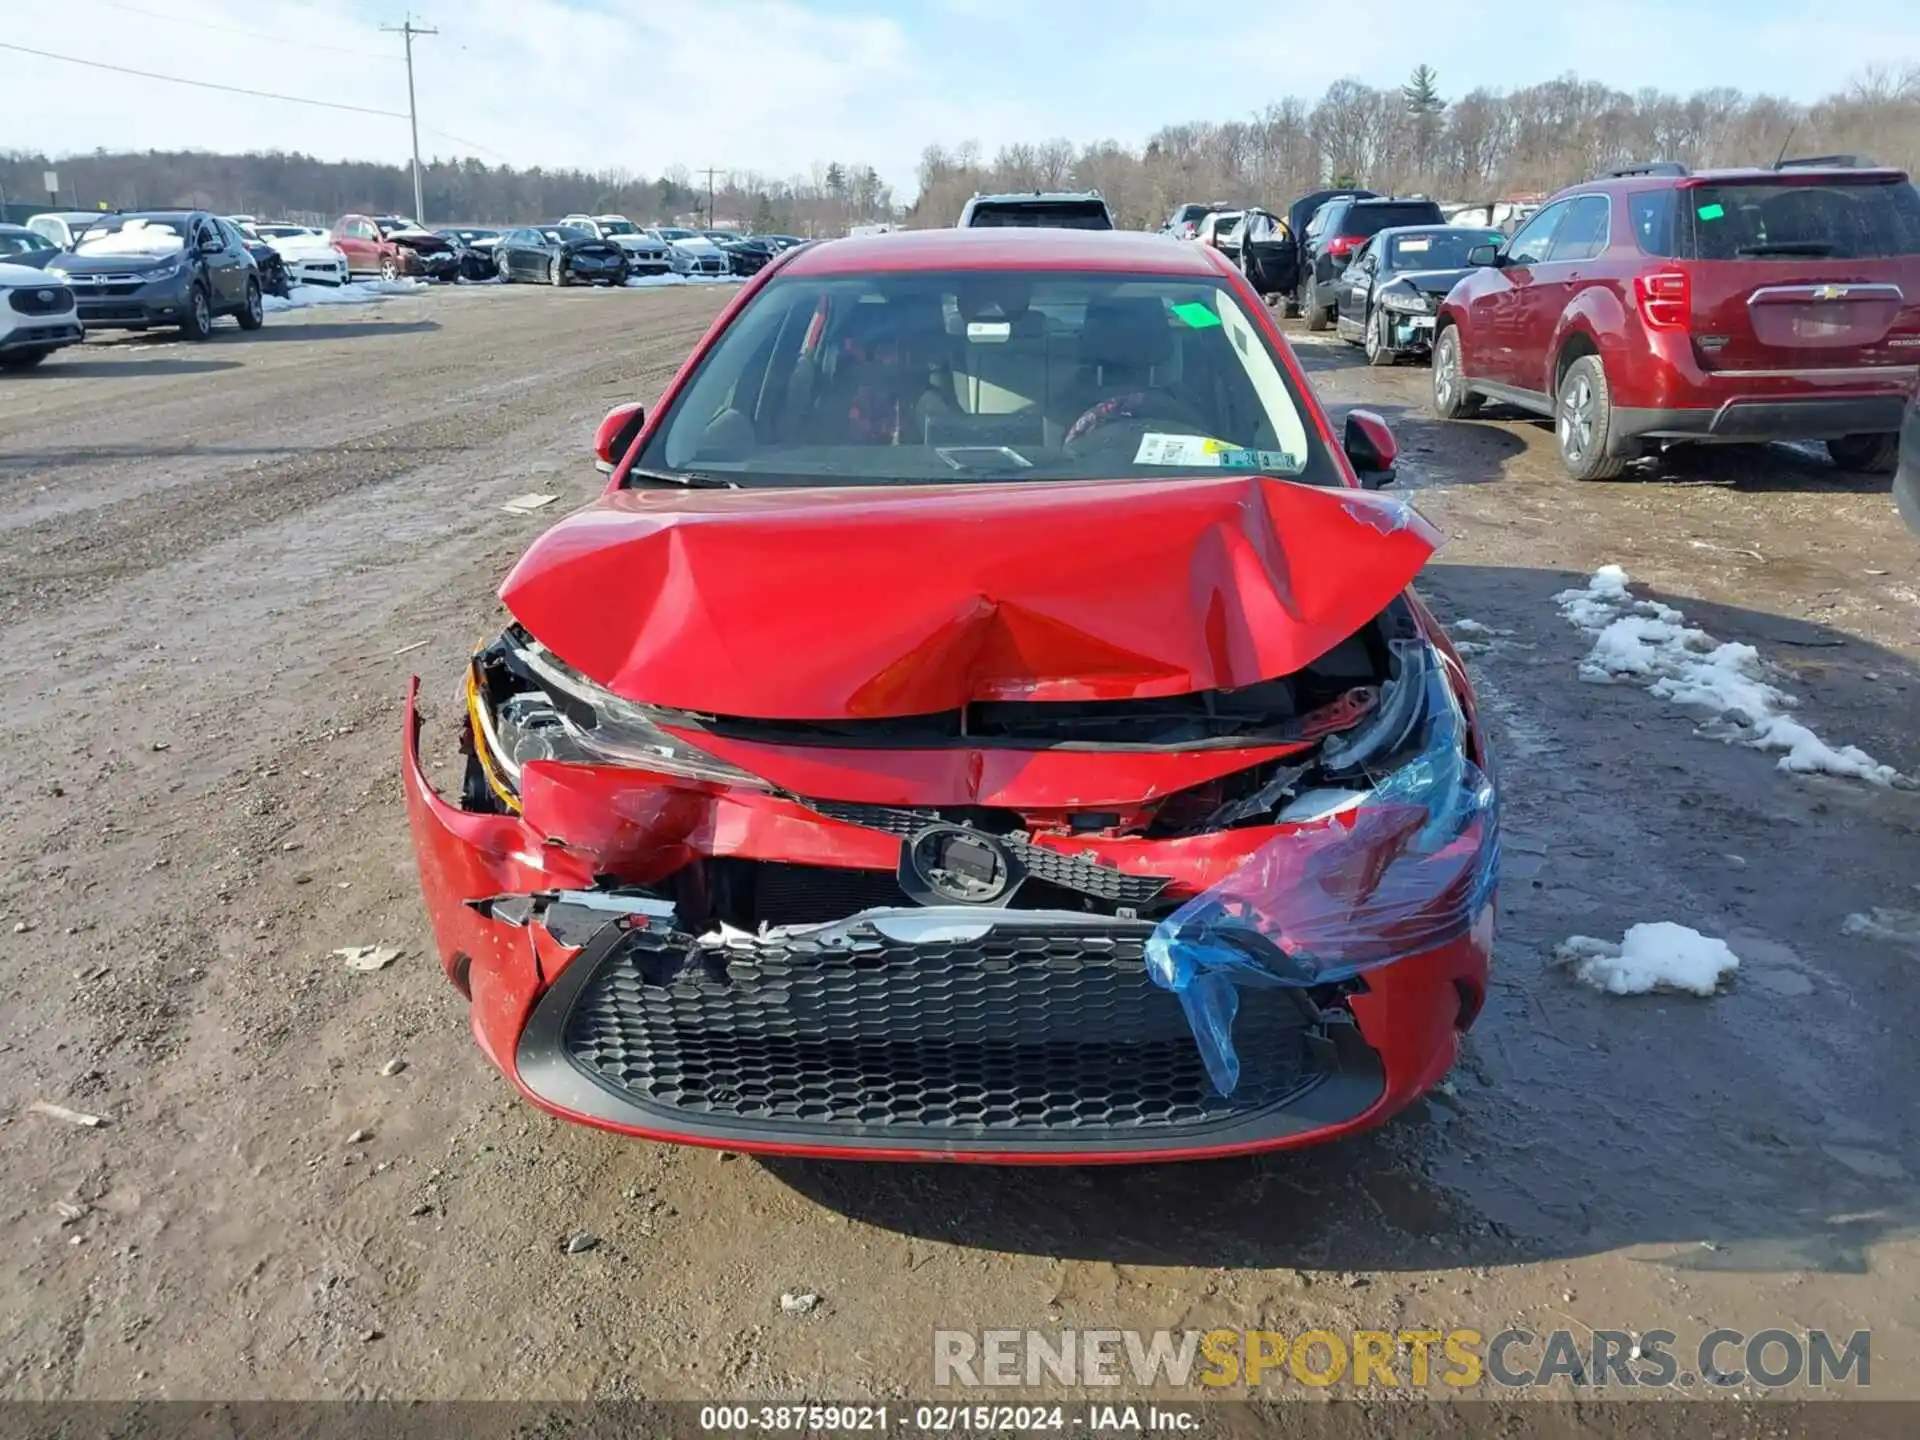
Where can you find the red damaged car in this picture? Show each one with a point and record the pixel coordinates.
(985, 718)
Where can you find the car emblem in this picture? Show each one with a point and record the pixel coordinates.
(46, 297)
(1829, 292)
(955, 865)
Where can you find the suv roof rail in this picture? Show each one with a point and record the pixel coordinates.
(1826, 162)
(1652, 167)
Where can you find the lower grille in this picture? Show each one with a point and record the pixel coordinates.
(1026, 1031)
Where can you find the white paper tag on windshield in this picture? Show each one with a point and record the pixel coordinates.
(1158, 449)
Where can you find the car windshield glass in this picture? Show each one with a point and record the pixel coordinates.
(393, 223)
(1371, 219)
(1052, 215)
(134, 235)
(568, 232)
(1437, 249)
(619, 227)
(677, 234)
(1832, 219)
(1006, 376)
(22, 244)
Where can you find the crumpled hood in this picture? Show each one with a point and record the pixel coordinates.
(420, 240)
(865, 602)
(1430, 282)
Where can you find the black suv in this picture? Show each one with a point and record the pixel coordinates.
(133, 271)
(1343, 229)
(1083, 210)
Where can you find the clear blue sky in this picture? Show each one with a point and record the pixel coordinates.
(778, 85)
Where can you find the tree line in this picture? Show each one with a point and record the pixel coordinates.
(1409, 139)
(309, 191)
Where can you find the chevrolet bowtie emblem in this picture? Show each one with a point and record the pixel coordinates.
(1829, 292)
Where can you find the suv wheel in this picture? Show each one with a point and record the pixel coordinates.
(557, 272)
(198, 322)
(1318, 319)
(1451, 398)
(389, 268)
(1583, 422)
(1865, 454)
(1379, 349)
(253, 314)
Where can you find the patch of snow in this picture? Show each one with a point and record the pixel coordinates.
(639, 282)
(1470, 627)
(1654, 955)
(136, 237)
(1902, 927)
(1651, 643)
(360, 292)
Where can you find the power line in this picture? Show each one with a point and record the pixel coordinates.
(303, 44)
(204, 84)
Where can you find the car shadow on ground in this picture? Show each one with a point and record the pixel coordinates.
(57, 368)
(1759, 1130)
(285, 325)
(1439, 452)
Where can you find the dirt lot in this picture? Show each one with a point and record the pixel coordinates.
(218, 565)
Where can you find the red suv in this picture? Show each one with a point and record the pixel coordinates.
(1727, 305)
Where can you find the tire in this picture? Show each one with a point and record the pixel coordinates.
(253, 311)
(389, 268)
(23, 359)
(1379, 351)
(1583, 422)
(1865, 454)
(1452, 400)
(557, 272)
(198, 322)
(1319, 318)
(500, 269)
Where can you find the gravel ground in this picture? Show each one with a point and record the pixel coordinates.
(218, 565)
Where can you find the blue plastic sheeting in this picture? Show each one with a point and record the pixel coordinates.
(1407, 869)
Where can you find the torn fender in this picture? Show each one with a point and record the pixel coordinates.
(869, 602)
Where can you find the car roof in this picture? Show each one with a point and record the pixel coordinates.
(1732, 175)
(996, 248)
(1039, 197)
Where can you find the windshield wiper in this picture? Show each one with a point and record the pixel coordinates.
(691, 479)
(1814, 248)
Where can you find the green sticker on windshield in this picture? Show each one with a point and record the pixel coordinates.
(1712, 212)
(1197, 315)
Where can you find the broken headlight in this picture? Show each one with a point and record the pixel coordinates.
(526, 704)
(1410, 867)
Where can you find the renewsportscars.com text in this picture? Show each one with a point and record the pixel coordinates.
(1457, 1358)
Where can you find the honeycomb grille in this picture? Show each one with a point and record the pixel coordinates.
(1024, 1031)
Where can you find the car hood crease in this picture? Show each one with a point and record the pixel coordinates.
(873, 602)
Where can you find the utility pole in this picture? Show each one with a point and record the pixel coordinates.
(409, 30)
(709, 172)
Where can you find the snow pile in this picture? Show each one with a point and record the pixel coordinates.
(1902, 927)
(636, 282)
(136, 237)
(1646, 641)
(1657, 955)
(360, 292)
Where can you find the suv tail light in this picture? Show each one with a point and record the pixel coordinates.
(1341, 246)
(1665, 300)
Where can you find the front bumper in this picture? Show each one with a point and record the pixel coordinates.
(902, 1033)
(317, 272)
(118, 303)
(42, 333)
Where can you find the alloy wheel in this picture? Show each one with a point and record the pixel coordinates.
(1576, 419)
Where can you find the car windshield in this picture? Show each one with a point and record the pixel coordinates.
(560, 234)
(670, 234)
(619, 227)
(1437, 249)
(134, 235)
(1006, 376)
(1781, 220)
(23, 243)
(396, 222)
(1370, 217)
(1047, 215)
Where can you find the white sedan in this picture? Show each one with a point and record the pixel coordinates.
(312, 257)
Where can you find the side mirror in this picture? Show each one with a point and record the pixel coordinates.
(1371, 449)
(1484, 255)
(616, 436)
